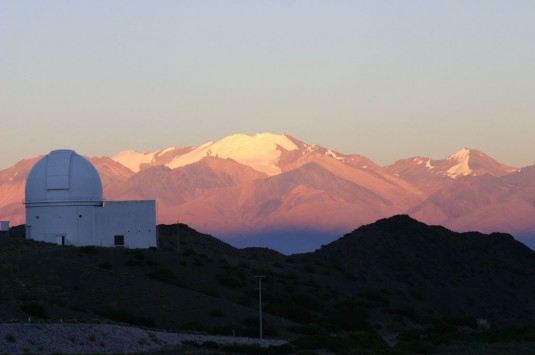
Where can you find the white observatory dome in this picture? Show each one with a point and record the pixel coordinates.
(63, 177)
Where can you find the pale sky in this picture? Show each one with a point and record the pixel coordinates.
(384, 79)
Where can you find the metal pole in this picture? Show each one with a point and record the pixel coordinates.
(260, 304)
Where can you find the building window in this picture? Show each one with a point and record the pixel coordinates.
(119, 240)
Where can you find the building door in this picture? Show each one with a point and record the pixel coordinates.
(119, 240)
(60, 239)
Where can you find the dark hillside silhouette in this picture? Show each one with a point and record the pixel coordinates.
(389, 277)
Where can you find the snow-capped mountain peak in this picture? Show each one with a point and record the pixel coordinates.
(462, 167)
(260, 151)
(460, 155)
(133, 160)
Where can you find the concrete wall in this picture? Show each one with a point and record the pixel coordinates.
(69, 225)
(4, 226)
(94, 225)
(135, 220)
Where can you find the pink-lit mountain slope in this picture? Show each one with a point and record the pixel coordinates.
(12, 183)
(244, 185)
(484, 203)
(286, 184)
(223, 197)
(429, 175)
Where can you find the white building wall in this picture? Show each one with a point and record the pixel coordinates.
(4, 226)
(94, 225)
(69, 225)
(134, 220)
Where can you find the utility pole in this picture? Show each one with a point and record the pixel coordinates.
(260, 303)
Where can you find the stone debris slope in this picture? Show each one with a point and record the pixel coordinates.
(47, 338)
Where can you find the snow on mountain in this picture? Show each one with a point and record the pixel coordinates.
(461, 167)
(133, 160)
(245, 183)
(461, 163)
(267, 153)
(261, 151)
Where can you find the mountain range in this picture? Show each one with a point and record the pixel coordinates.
(277, 191)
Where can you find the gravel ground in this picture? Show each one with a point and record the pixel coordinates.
(46, 338)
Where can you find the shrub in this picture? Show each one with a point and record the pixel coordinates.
(27, 296)
(309, 269)
(347, 315)
(198, 262)
(195, 326)
(10, 338)
(351, 276)
(308, 302)
(78, 308)
(243, 349)
(88, 250)
(281, 349)
(105, 266)
(190, 343)
(188, 252)
(291, 311)
(252, 329)
(308, 329)
(138, 255)
(408, 312)
(154, 338)
(344, 344)
(57, 302)
(217, 313)
(34, 309)
(375, 296)
(134, 263)
(210, 344)
(416, 346)
(245, 300)
(122, 315)
(229, 281)
(162, 274)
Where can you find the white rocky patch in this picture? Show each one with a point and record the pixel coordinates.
(333, 155)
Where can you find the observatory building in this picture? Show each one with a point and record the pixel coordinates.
(64, 205)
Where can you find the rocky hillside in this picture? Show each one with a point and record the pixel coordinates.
(384, 278)
(446, 273)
